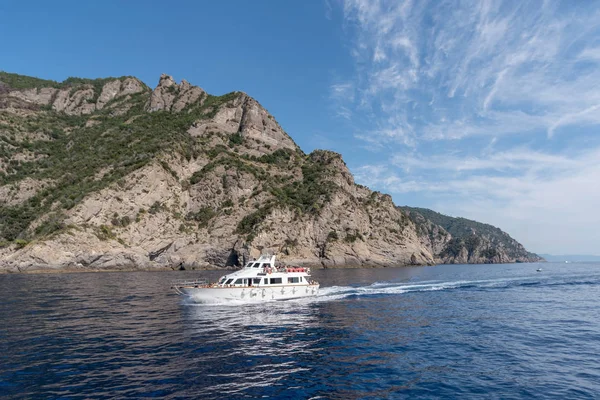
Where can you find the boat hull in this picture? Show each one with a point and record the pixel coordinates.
(249, 294)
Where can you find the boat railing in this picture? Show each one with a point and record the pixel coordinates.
(286, 269)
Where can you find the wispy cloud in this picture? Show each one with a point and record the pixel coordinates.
(517, 159)
(480, 105)
(328, 9)
(342, 96)
(482, 60)
(342, 91)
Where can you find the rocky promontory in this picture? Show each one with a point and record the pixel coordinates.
(110, 174)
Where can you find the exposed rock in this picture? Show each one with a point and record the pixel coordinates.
(131, 86)
(118, 88)
(245, 116)
(163, 95)
(76, 103)
(109, 92)
(188, 94)
(168, 96)
(41, 96)
(257, 123)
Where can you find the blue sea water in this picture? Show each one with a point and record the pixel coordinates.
(452, 331)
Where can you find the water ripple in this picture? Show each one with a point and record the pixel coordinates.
(452, 331)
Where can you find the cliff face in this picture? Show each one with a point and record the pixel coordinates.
(108, 174)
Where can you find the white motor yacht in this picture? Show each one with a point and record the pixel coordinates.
(259, 280)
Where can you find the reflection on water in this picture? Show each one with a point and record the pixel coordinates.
(254, 346)
(285, 313)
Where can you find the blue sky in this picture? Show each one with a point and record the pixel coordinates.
(484, 109)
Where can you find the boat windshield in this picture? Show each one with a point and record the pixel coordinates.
(256, 265)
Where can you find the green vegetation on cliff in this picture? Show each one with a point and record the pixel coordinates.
(17, 81)
(72, 156)
(22, 82)
(76, 155)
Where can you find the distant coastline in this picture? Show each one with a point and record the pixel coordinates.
(571, 258)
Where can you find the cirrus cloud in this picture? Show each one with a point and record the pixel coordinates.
(485, 109)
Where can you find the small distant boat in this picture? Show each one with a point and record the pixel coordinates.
(539, 270)
(259, 280)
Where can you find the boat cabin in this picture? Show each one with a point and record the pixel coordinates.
(263, 272)
(263, 281)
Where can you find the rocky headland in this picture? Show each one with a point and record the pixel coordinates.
(110, 174)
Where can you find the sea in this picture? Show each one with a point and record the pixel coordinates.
(450, 331)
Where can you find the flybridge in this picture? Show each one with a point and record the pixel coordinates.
(265, 261)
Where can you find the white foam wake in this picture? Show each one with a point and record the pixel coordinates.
(332, 293)
(382, 288)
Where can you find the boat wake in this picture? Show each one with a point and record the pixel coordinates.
(333, 293)
(388, 288)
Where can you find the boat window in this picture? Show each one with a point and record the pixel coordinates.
(229, 281)
(267, 265)
(257, 281)
(294, 279)
(222, 280)
(239, 281)
(275, 281)
(266, 282)
(256, 265)
(249, 265)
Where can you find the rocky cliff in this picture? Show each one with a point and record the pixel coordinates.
(109, 174)
(463, 241)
